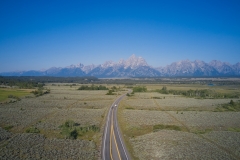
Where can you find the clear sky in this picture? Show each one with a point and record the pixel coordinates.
(38, 34)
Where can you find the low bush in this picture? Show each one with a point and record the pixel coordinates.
(40, 92)
(92, 87)
(129, 108)
(231, 106)
(202, 131)
(201, 93)
(110, 92)
(168, 127)
(14, 97)
(156, 98)
(234, 129)
(32, 130)
(139, 89)
(8, 127)
(72, 130)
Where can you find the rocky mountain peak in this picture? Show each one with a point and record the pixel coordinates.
(137, 67)
(108, 64)
(134, 62)
(215, 63)
(222, 67)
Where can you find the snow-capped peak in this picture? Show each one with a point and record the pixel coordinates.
(108, 64)
(134, 62)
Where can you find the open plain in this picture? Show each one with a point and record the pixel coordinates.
(47, 113)
(154, 125)
(167, 126)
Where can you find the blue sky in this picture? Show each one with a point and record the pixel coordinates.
(41, 34)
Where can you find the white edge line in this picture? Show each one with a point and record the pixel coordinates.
(106, 128)
(121, 139)
(122, 144)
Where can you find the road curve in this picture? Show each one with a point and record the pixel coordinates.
(113, 147)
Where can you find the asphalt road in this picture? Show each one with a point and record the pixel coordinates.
(113, 147)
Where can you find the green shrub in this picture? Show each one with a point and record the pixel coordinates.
(129, 108)
(68, 129)
(74, 134)
(231, 102)
(72, 130)
(14, 97)
(32, 130)
(92, 87)
(8, 127)
(156, 98)
(110, 92)
(168, 127)
(139, 89)
(40, 92)
(202, 131)
(234, 129)
(202, 93)
(231, 106)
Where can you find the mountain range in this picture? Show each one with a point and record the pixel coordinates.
(138, 67)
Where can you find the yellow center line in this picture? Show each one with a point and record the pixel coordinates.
(111, 140)
(116, 145)
(112, 132)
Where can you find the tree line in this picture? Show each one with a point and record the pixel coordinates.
(198, 93)
(92, 87)
(39, 81)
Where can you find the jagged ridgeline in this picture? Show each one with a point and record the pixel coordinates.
(138, 67)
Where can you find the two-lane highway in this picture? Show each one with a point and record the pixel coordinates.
(113, 147)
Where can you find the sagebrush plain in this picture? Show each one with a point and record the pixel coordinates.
(168, 126)
(67, 123)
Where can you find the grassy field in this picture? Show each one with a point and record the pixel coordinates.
(4, 93)
(47, 113)
(185, 87)
(154, 125)
(166, 126)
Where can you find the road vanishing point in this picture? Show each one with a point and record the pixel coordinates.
(113, 147)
